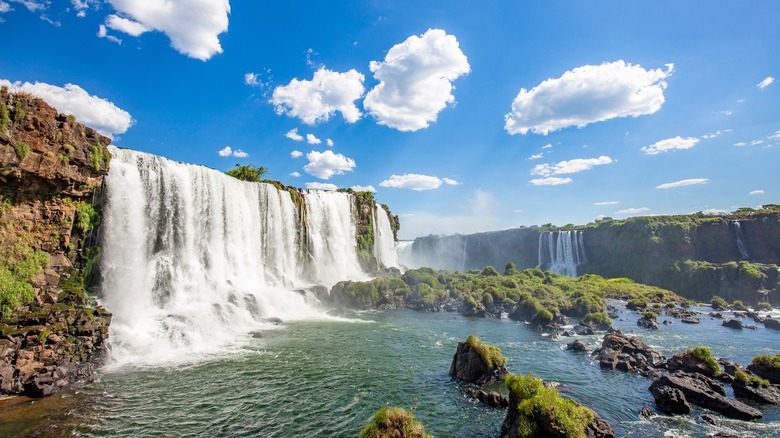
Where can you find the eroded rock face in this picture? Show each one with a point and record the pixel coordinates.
(60, 157)
(648, 323)
(773, 374)
(468, 366)
(755, 392)
(492, 399)
(700, 391)
(688, 363)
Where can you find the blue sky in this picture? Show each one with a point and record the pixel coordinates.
(463, 116)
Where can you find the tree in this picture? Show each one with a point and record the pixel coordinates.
(249, 172)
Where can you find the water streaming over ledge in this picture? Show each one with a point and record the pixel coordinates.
(193, 260)
(561, 251)
(741, 245)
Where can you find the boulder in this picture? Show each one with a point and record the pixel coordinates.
(770, 323)
(733, 323)
(492, 399)
(670, 400)
(577, 345)
(629, 354)
(648, 323)
(771, 374)
(688, 363)
(700, 391)
(691, 320)
(756, 392)
(470, 366)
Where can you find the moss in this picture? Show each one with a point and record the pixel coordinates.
(539, 404)
(751, 379)
(599, 318)
(64, 158)
(703, 354)
(766, 362)
(69, 148)
(22, 150)
(490, 354)
(392, 422)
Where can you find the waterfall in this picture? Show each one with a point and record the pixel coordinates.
(561, 251)
(192, 260)
(384, 240)
(741, 245)
(404, 254)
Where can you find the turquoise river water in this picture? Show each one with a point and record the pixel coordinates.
(327, 378)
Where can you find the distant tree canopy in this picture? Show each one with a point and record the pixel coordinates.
(249, 172)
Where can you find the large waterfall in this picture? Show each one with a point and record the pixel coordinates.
(741, 245)
(384, 240)
(193, 260)
(561, 251)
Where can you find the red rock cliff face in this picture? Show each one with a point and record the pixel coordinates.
(44, 152)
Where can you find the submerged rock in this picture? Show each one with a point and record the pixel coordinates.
(492, 399)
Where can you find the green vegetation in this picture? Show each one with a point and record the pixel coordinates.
(764, 305)
(511, 269)
(71, 118)
(650, 315)
(69, 148)
(18, 264)
(99, 156)
(5, 118)
(390, 422)
(601, 319)
(22, 150)
(19, 112)
(64, 158)
(490, 354)
(490, 271)
(766, 362)
(5, 204)
(248, 172)
(703, 354)
(539, 404)
(719, 303)
(737, 303)
(86, 217)
(636, 303)
(750, 379)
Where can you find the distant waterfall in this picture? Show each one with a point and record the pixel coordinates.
(561, 251)
(192, 259)
(741, 244)
(384, 240)
(403, 251)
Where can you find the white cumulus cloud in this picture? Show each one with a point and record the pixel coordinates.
(103, 33)
(670, 144)
(683, 183)
(633, 210)
(295, 174)
(329, 142)
(227, 151)
(607, 203)
(323, 165)
(756, 192)
(415, 80)
(451, 182)
(570, 166)
(193, 26)
(251, 79)
(536, 156)
(311, 139)
(130, 27)
(550, 181)
(98, 113)
(412, 181)
(765, 83)
(321, 186)
(4, 7)
(368, 188)
(296, 154)
(293, 135)
(316, 100)
(588, 94)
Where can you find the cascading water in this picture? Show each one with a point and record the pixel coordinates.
(741, 245)
(404, 254)
(193, 259)
(561, 251)
(384, 240)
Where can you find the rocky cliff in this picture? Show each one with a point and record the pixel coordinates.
(696, 255)
(50, 166)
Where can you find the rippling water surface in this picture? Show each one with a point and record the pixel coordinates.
(327, 378)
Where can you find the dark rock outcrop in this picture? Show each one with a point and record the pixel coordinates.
(733, 323)
(770, 323)
(703, 392)
(469, 366)
(492, 399)
(670, 400)
(577, 345)
(756, 392)
(629, 354)
(647, 322)
(688, 363)
(771, 374)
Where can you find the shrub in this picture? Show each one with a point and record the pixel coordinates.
(650, 315)
(490, 271)
(4, 118)
(543, 317)
(248, 172)
(393, 422)
(636, 303)
(703, 354)
(766, 362)
(22, 150)
(718, 303)
(19, 112)
(737, 303)
(18, 264)
(489, 353)
(511, 269)
(540, 404)
(599, 318)
(764, 305)
(86, 217)
(751, 379)
(69, 148)
(99, 156)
